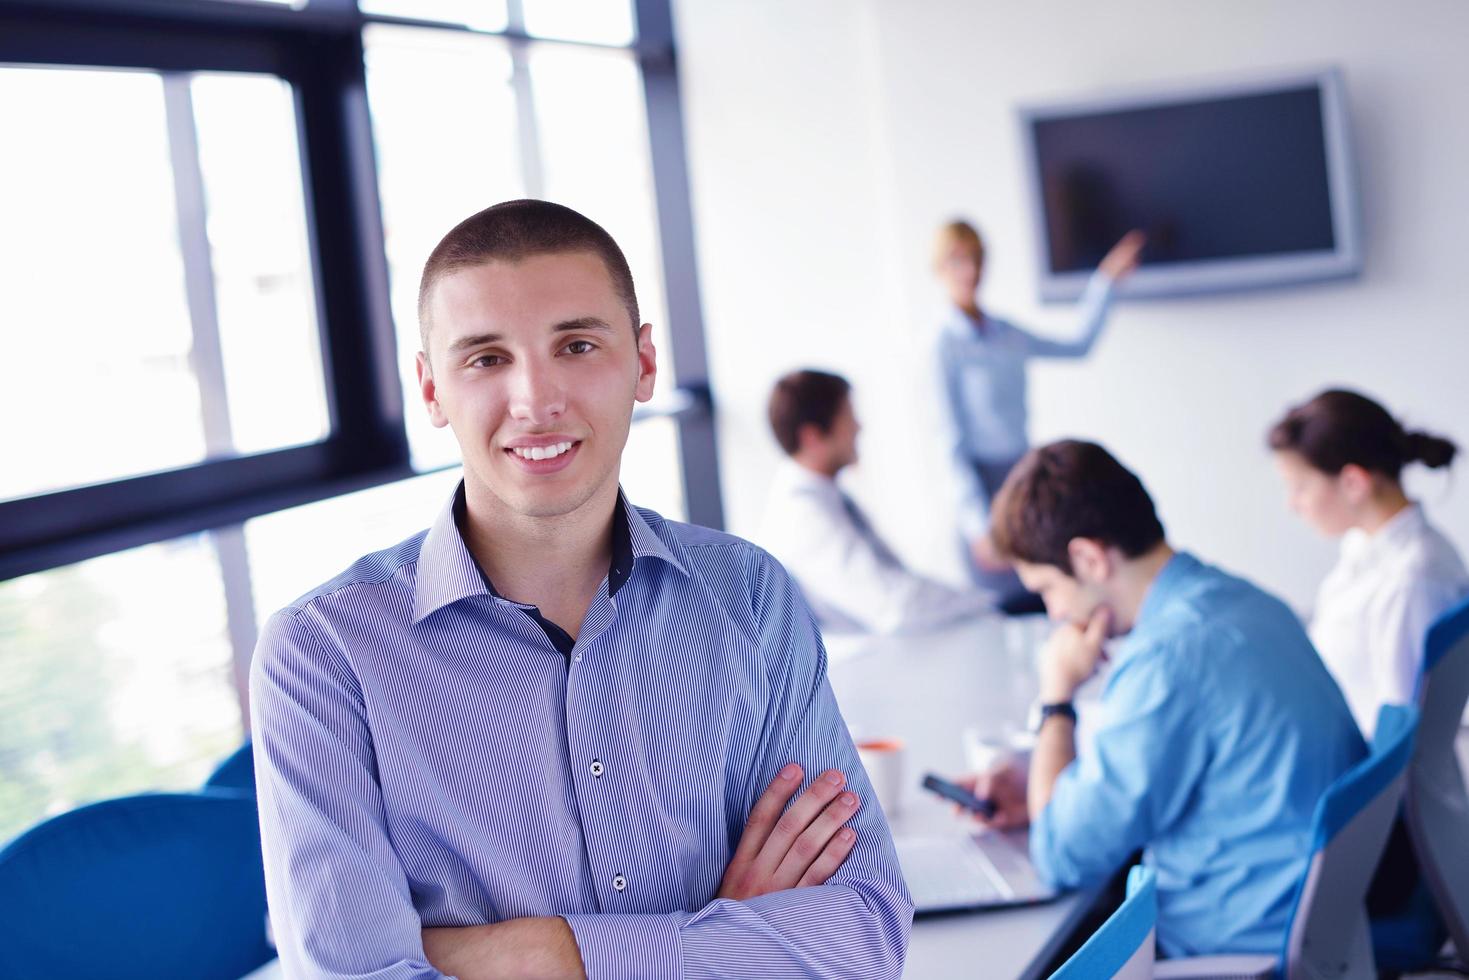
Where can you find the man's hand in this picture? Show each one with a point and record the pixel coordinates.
(1122, 260)
(802, 846)
(1004, 786)
(1071, 656)
(523, 949)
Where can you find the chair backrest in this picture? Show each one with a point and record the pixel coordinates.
(236, 772)
(1436, 806)
(1123, 948)
(159, 885)
(1328, 935)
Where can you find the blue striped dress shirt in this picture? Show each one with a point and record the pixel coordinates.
(427, 757)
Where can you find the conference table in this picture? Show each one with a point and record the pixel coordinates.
(926, 689)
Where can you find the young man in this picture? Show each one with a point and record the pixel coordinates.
(1220, 728)
(852, 579)
(532, 741)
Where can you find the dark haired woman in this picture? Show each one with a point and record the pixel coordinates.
(1341, 455)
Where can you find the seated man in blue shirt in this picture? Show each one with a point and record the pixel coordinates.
(554, 735)
(1219, 726)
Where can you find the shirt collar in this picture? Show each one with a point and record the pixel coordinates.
(447, 572)
(796, 476)
(1403, 527)
(1170, 579)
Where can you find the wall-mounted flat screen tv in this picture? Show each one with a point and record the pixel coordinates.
(1238, 185)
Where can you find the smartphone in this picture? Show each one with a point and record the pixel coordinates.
(958, 794)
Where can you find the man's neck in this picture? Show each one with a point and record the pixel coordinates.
(812, 463)
(1135, 578)
(554, 563)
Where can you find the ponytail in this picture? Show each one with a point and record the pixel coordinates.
(1341, 428)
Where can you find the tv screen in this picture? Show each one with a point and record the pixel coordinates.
(1237, 186)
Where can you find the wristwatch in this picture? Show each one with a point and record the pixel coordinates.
(1040, 712)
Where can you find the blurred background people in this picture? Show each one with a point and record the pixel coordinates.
(853, 580)
(981, 361)
(1341, 455)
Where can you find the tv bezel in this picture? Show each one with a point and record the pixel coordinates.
(1213, 275)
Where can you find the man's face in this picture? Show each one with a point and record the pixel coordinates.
(1067, 599)
(842, 439)
(534, 368)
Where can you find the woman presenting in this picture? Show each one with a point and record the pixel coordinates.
(983, 384)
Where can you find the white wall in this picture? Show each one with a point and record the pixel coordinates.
(828, 139)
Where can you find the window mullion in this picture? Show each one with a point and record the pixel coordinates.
(239, 605)
(532, 166)
(205, 355)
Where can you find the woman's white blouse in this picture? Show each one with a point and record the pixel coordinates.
(1375, 607)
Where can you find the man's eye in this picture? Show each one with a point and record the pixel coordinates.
(487, 360)
(580, 347)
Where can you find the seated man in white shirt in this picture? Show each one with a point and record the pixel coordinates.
(851, 578)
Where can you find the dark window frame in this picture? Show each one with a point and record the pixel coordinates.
(318, 50)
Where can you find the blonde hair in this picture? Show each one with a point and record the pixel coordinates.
(956, 233)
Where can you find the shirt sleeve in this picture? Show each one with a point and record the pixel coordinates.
(856, 925)
(1096, 302)
(1136, 779)
(339, 901)
(972, 500)
(842, 570)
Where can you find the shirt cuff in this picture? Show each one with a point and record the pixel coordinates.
(629, 947)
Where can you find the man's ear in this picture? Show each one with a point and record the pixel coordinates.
(647, 363)
(1090, 562)
(809, 436)
(429, 390)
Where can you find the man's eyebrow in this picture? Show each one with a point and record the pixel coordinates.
(582, 323)
(475, 340)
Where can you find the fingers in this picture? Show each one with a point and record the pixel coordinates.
(795, 820)
(813, 841)
(766, 812)
(831, 858)
(1097, 627)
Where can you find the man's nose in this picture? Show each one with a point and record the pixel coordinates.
(537, 394)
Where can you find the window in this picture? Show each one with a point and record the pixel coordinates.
(138, 342)
(444, 124)
(116, 676)
(481, 15)
(462, 121)
(593, 21)
(211, 245)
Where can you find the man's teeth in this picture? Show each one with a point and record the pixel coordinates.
(541, 452)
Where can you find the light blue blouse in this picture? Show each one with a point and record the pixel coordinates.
(983, 391)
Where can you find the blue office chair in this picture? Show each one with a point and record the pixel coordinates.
(1435, 804)
(235, 772)
(155, 886)
(1328, 935)
(1123, 948)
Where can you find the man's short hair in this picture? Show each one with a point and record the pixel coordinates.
(1071, 489)
(805, 398)
(515, 230)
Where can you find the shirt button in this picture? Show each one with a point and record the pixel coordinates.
(597, 768)
(619, 882)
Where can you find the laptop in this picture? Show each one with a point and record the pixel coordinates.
(949, 873)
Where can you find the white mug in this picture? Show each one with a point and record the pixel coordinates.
(883, 760)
